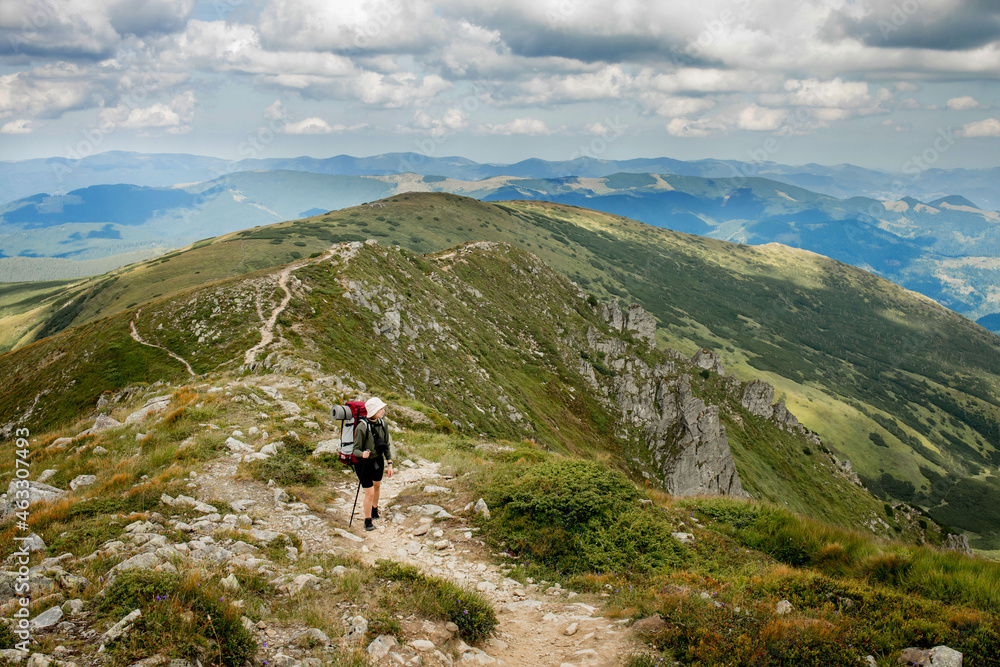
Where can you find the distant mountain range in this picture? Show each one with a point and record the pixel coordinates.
(23, 178)
(946, 249)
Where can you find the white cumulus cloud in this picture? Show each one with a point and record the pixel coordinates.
(309, 126)
(19, 126)
(171, 116)
(530, 126)
(989, 127)
(963, 103)
(760, 119)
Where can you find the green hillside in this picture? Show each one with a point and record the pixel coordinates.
(902, 387)
(463, 347)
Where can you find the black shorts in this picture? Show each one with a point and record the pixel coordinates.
(369, 470)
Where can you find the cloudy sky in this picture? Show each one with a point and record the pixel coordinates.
(871, 82)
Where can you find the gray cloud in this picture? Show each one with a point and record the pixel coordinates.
(145, 17)
(73, 31)
(919, 24)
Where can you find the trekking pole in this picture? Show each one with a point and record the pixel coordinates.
(355, 505)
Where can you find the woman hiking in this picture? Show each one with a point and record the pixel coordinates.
(374, 450)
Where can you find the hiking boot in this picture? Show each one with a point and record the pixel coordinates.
(374, 512)
(369, 525)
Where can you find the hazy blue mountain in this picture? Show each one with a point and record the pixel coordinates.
(991, 322)
(104, 220)
(20, 179)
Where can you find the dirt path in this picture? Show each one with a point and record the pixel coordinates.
(137, 338)
(267, 328)
(534, 618)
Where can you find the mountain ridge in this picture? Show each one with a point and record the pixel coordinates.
(25, 177)
(942, 251)
(884, 378)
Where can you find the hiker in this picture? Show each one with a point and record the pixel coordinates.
(374, 450)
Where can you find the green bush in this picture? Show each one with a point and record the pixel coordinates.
(880, 620)
(793, 540)
(467, 609)
(284, 468)
(181, 618)
(577, 516)
(7, 637)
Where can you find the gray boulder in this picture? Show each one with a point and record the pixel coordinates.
(153, 405)
(357, 630)
(144, 561)
(39, 584)
(36, 492)
(959, 543)
(327, 447)
(47, 618)
(939, 656)
(709, 361)
(757, 398)
(82, 480)
(33, 543)
(102, 423)
(118, 629)
(482, 508)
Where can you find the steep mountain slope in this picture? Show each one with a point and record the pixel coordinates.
(451, 335)
(904, 388)
(201, 519)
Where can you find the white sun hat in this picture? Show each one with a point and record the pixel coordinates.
(373, 405)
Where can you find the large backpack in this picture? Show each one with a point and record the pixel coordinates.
(349, 414)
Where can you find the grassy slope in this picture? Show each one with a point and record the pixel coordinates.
(849, 590)
(496, 346)
(476, 356)
(854, 355)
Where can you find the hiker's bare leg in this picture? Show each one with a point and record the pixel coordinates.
(375, 486)
(369, 492)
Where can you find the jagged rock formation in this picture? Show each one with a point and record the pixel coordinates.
(758, 397)
(709, 361)
(959, 543)
(683, 434)
(636, 320)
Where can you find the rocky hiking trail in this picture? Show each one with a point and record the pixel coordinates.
(137, 338)
(539, 624)
(267, 327)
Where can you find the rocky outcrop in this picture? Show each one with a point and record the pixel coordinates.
(785, 418)
(36, 492)
(635, 319)
(693, 450)
(683, 435)
(757, 398)
(709, 361)
(959, 543)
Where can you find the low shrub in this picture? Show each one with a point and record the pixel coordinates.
(577, 516)
(434, 597)
(879, 620)
(937, 575)
(707, 632)
(181, 618)
(284, 468)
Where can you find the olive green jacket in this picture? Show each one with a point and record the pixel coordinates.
(364, 440)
